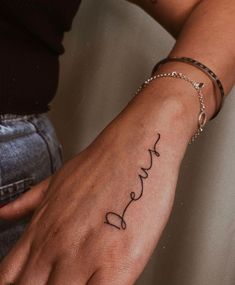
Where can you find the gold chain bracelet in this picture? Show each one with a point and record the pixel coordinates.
(198, 86)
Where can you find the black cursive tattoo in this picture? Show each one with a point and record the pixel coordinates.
(133, 196)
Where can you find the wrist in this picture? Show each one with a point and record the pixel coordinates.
(211, 97)
(167, 102)
(179, 98)
(146, 115)
(168, 106)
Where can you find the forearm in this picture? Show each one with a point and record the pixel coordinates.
(206, 35)
(171, 14)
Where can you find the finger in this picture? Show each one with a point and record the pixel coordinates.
(68, 273)
(36, 270)
(114, 277)
(26, 203)
(13, 263)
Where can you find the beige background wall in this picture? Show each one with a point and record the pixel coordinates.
(110, 51)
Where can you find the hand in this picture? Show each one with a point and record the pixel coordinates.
(68, 241)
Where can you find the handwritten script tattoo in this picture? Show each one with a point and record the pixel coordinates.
(118, 220)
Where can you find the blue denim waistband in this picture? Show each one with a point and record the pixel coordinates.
(15, 117)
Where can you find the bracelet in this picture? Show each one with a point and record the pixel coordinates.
(203, 68)
(202, 117)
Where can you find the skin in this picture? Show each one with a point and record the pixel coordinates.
(67, 241)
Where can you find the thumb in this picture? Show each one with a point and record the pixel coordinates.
(26, 203)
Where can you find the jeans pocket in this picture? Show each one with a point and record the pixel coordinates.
(11, 191)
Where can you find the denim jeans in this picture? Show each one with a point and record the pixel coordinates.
(29, 153)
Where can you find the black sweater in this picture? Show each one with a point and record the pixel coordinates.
(31, 33)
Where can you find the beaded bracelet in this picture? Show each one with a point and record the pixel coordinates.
(203, 68)
(202, 117)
